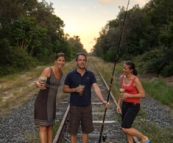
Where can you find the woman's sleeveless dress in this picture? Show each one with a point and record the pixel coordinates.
(45, 104)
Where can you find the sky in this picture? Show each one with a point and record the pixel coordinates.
(86, 18)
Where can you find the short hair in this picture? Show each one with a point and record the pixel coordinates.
(61, 54)
(81, 54)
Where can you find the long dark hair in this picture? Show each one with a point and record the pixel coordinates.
(131, 65)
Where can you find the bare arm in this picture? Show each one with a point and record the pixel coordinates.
(118, 105)
(46, 73)
(99, 94)
(119, 99)
(140, 89)
(67, 89)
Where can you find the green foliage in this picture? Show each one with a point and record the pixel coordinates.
(6, 104)
(147, 61)
(161, 134)
(155, 89)
(167, 70)
(0, 100)
(16, 60)
(55, 128)
(166, 37)
(109, 56)
(27, 35)
(159, 90)
(148, 32)
(157, 61)
(31, 34)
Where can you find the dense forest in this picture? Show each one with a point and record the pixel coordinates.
(30, 31)
(31, 34)
(148, 34)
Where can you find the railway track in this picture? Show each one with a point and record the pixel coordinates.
(112, 129)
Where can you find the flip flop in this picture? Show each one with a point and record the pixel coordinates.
(148, 141)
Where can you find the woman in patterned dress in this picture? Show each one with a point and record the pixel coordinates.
(45, 104)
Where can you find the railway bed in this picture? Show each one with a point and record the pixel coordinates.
(112, 128)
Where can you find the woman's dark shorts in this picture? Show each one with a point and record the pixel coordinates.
(129, 112)
(80, 115)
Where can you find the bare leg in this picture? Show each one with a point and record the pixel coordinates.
(50, 134)
(134, 132)
(130, 138)
(43, 134)
(84, 138)
(73, 138)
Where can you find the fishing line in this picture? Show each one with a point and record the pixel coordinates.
(116, 59)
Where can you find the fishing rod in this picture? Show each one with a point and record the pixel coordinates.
(116, 59)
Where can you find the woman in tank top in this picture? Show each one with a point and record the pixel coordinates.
(131, 92)
(45, 104)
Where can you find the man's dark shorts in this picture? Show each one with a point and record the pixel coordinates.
(80, 115)
(129, 112)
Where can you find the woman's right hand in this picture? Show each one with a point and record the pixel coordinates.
(118, 109)
(40, 84)
(124, 95)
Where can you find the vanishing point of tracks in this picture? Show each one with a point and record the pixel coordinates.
(112, 128)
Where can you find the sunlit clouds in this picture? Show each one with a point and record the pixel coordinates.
(110, 2)
(142, 2)
(86, 18)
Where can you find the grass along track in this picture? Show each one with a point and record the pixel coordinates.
(149, 126)
(154, 119)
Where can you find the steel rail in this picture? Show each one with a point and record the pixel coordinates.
(116, 59)
(135, 138)
(97, 122)
(62, 126)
